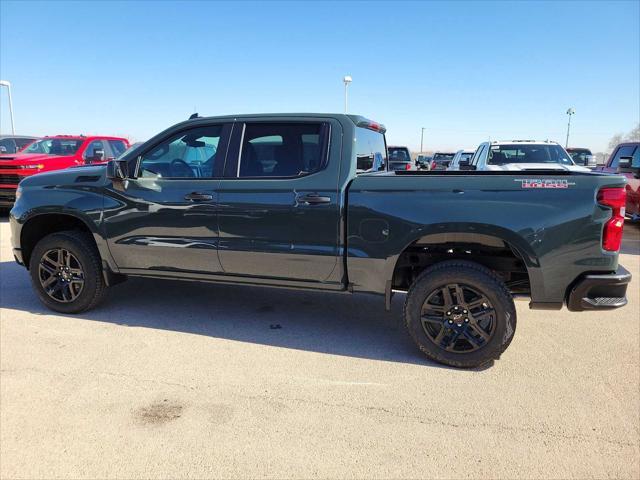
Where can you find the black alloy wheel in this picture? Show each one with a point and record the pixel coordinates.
(61, 275)
(458, 318)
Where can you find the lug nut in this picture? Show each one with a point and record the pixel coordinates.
(466, 320)
(450, 321)
(464, 311)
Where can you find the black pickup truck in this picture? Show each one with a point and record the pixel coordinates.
(275, 200)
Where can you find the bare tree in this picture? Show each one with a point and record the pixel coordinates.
(632, 136)
(615, 140)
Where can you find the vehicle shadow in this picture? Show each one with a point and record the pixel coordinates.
(336, 324)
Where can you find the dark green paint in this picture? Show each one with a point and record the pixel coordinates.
(254, 231)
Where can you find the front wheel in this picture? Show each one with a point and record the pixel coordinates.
(460, 314)
(66, 272)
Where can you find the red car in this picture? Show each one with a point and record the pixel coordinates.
(629, 153)
(54, 153)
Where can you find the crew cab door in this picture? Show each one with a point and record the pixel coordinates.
(165, 220)
(279, 204)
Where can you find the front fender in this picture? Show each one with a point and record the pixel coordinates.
(82, 203)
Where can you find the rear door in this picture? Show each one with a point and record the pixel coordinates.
(279, 204)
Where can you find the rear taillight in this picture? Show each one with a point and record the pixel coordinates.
(407, 166)
(614, 198)
(433, 165)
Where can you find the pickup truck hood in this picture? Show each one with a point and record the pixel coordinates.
(29, 158)
(82, 174)
(537, 166)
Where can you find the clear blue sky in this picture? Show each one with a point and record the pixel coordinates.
(465, 71)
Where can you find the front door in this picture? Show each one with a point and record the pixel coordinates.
(279, 205)
(165, 219)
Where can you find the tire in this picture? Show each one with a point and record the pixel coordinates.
(83, 260)
(472, 332)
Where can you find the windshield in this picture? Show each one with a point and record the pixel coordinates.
(55, 146)
(443, 157)
(399, 154)
(502, 154)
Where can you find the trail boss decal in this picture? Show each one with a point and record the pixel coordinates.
(544, 182)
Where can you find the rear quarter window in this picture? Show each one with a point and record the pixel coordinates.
(371, 150)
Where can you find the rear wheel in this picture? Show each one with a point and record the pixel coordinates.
(66, 272)
(460, 314)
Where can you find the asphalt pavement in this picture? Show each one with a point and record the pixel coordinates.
(172, 380)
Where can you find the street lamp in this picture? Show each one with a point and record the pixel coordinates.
(570, 112)
(5, 83)
(421, 139)
(347, 80)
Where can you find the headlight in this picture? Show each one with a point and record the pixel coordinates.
(18, 192)
(39, 166)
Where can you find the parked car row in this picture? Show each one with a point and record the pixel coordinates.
(51, 153)
(22, 156)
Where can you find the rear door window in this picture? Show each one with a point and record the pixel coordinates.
(282, 149)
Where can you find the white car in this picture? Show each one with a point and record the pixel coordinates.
(517, 155)
(460, 156)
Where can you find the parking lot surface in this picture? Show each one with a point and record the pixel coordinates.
(172, 380)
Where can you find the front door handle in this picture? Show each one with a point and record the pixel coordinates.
(198, 197)
(312, 199)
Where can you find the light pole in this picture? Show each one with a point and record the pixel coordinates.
(347, 80)
(5, 83)
(570, 112)
(421, 139)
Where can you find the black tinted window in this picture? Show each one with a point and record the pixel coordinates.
(9, 145)
(399, 155)
(371, 153)
(503, 154)
(443, 157)
(282, 149)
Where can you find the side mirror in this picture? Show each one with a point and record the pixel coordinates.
(624, 164)
(117, 170)
(98, 155)
(629, 164)
(3, 149)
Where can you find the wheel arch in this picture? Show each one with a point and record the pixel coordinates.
(494, 247)
(40, 224)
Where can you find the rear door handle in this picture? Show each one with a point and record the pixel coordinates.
(312, 199)
(198, 197)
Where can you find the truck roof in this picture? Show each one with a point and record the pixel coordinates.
(527, 142)
(358, 120)
(84, 137)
